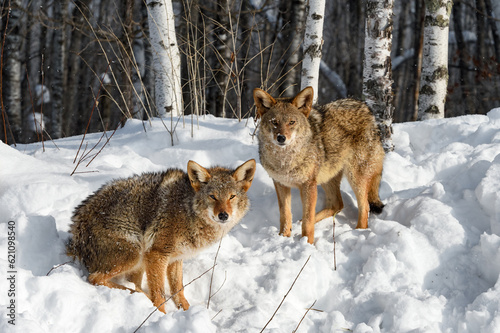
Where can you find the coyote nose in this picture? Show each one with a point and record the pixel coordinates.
(281, 138)
(223, 216)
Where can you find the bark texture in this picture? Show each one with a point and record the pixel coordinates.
(11, 76)
(377, 74)
(313, 44)
(434, 79)
(167, 61)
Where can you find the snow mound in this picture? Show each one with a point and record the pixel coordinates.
(429, 263)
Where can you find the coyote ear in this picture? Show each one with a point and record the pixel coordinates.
(303, 101)
(244, 173)
(263, 101)
(197, 175)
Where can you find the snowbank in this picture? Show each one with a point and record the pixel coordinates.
(429, 263)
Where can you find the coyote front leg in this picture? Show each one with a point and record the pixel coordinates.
(174, 275)
(156, 269)
(285, 205)
(309, 196)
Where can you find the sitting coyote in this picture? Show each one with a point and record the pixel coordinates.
(150, 223)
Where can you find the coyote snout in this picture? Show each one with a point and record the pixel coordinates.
(222, 211)
(150, 223)
(301, 146)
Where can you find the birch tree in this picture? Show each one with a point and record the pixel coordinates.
(12, 23)
(58, 68)
(434, 78)
(297, 26)
(377, 73)
(167, 60)
(313, 43)
(223, 45)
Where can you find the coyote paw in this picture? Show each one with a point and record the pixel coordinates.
(286, 233)
(184, 304)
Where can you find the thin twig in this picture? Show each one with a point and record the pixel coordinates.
(104, 145)
(91, 113)
(286, 294)
(156, 309)
(41, 105)
(33, 105)
(56, 267)
(305, 314)
(222, 284)
(216, 314)
(212, 276)
(334, 247)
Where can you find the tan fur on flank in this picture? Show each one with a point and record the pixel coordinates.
(301, 146)
(150, 223)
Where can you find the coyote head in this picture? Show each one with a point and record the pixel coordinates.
(221, 193)
(283, 120)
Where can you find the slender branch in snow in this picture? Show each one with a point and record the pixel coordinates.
(212, 276)
(286, 294)
(305, 314)
(156, 309)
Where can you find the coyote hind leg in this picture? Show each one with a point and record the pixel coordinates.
(136, 278)
(376, 205)
(104, 279)
(334, 203)
(114, 264)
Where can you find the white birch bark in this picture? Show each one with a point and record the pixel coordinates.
(434, 79)
(313, 43)
(166, 55)
(377, 70)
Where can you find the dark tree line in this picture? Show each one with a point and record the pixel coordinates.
(70, 63)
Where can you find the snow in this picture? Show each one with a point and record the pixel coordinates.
(429, 263)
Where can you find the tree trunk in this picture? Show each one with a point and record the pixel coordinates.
(75, 64)
(148, 77)
(167, 61)
(11, 76)
(223, 46)
(495, 26)
(377, 74)
(126, 51)
(33, 67)
(313, 43)
(462, 56)
(296, 37)
(58, 68)
(495, 9)
(434, 79)
(419, 48)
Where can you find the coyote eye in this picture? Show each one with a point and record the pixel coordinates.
(212, 197)
(274, 122)
(291, 122)
(232, 196)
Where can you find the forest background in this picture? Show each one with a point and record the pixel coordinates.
(87, 65)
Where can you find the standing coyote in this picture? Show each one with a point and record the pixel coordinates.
(150, 223)
(301, 146)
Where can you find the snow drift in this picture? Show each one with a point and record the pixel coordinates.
(429, 263)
